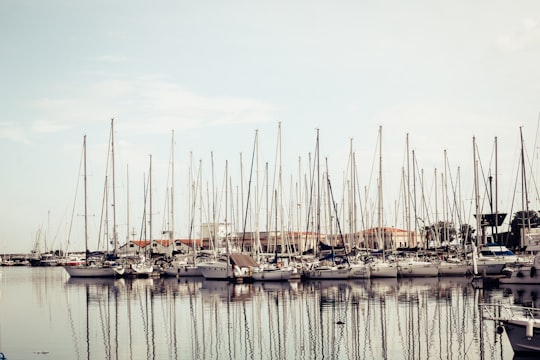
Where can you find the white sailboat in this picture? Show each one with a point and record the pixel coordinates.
(185, 265)
(417, 268)
(93, 267)
(381, 267)
(454, 267)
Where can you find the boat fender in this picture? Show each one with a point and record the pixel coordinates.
(529, 329)
(533, 271)
(519, 274)
(500, 329)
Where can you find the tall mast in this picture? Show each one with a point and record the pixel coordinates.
(171, 230)
(477, 204)
(379, 194)
(408, 205)
(127, 203)
(85, 202)
(150, 196)
(476, 194)
(318, 191)
(115, 238)
(524, 195)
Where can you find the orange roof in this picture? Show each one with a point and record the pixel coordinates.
(190, 242)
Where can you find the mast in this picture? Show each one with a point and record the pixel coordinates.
(477, 203)
(150, 197)
(226, 198)
(318, 192)
(85, 203)
(171, 233)
(127, 203)
(115, 235)
(408, 198)
(524, 196)
(379, 195)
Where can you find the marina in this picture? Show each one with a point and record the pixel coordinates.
(270, 180)
(179, 318)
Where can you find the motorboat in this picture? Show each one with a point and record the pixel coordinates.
(522, 273)
(521, 325)
(492, 258)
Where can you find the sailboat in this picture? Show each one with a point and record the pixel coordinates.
(381, 267)
(94, 266)
(328, 266)
(230, 265)
(276, 269)
(184, 265)
(141, 265)
(413, 266)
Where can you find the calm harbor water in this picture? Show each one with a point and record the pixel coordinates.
(46, 315)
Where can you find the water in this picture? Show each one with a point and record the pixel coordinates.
(46, 315)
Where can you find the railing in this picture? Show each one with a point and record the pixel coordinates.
(504, 312)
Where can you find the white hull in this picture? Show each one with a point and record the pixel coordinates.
(139, 270)
(183, 271)
(216, 270)
(524, 274)
(360, 271)
(454, 269)
(417, 269)
(490, 267)
(328, 272)
(94, 271)
(272, 274)
(383, 270)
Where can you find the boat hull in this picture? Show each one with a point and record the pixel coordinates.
(523, 274)
(516, 330)
(417, 269)
(330, 273)
(359, 271)
(279, 274)
(216, 270)
(383, 270)
(93, 271)
(183, 271)
(490, 267)
(454, 269)
(139, 270)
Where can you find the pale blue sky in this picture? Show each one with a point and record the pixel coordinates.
(216, 71)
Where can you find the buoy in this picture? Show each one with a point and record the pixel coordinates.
(500, 329)
(529, 329)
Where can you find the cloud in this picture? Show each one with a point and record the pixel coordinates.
(13, 133)
(148, 105)
(526, 37)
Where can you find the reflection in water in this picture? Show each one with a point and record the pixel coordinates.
(411, 318)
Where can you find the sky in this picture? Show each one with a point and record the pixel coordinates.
(207, 81)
